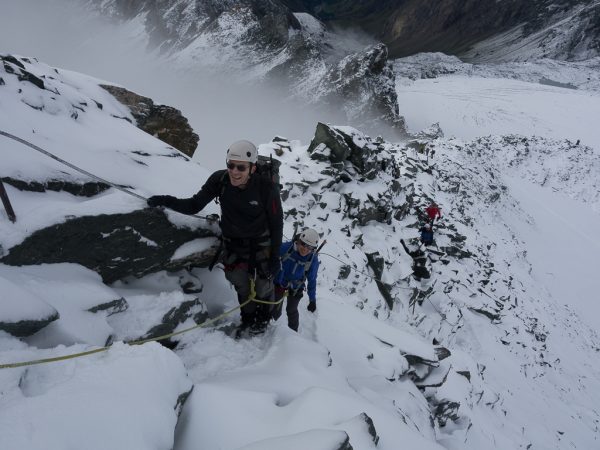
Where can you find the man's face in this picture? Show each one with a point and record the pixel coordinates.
(239, 172)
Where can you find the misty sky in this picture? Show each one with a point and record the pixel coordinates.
(62, 35)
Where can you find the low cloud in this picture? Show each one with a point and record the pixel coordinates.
(221, 110)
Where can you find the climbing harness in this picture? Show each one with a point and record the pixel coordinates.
(252, 296)
(84, 172)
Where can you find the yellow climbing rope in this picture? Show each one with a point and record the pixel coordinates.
(251, 298)
(138, 342)
(256, 300)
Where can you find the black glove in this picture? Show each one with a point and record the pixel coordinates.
(312, 306)
(274, 265)
(160, 200)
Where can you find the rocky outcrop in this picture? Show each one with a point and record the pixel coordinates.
(338, 145)
(366, 74)
(261, 41)
(115, 246)
(163, 122)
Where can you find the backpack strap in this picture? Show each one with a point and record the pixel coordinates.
(223, 183)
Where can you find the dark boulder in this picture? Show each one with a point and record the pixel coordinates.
(332, 139)
(115, 246)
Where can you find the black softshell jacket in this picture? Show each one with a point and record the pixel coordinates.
(245, 213)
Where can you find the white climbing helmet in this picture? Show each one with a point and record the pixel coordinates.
(309, 237)
(242, 151)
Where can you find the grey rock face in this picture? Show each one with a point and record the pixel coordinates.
(452, 26)
(164, 122)
(362, 75)
(115, 246)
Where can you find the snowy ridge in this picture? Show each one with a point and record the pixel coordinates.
(564, 166)
(369, 369)
(580, 74)
(65, 113)
(489, 290)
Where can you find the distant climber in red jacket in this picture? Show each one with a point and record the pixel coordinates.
(433, 211)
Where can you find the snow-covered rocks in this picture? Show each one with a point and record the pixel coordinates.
(74, 292)
(22, 313)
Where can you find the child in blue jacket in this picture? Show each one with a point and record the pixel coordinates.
(299, 267)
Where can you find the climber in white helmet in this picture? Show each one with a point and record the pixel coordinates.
(251, 226)
(299, 267)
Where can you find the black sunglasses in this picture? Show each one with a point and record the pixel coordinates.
(309, 247)
(239, 167)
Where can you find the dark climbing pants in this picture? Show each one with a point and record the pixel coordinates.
(291, 307)
(253, 312)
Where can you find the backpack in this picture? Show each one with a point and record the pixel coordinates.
(268, 169)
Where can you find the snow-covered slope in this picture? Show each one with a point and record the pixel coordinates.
(369, 369)
(544, 98)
